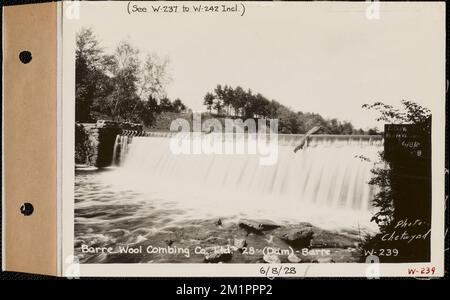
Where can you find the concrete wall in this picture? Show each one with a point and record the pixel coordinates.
(94, 142)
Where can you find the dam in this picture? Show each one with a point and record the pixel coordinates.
(326, 183)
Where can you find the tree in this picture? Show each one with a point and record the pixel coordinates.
(373, 131)
(147, 111)
(218, 106)
(239, 101)
(220, 95)
(360, 131)
(249, 107)
(165, 105)
(260, 104)
(410, 113)
(273, 108)
(225, 97)
(178, 106)
(90, 81)
(152, 104)
(208, 101)
(287, 121)
(313, 119)
(154, 77)
(346, 128)
(125, 69)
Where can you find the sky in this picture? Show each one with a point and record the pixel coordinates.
(313, 57)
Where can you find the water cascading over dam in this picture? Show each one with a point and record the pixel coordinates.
(325, 183)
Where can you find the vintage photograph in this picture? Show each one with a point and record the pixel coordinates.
(249, 133)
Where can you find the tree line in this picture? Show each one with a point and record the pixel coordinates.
(124, 87)
(237, 102)
(119, 86)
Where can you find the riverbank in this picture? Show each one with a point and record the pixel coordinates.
(217, 241)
